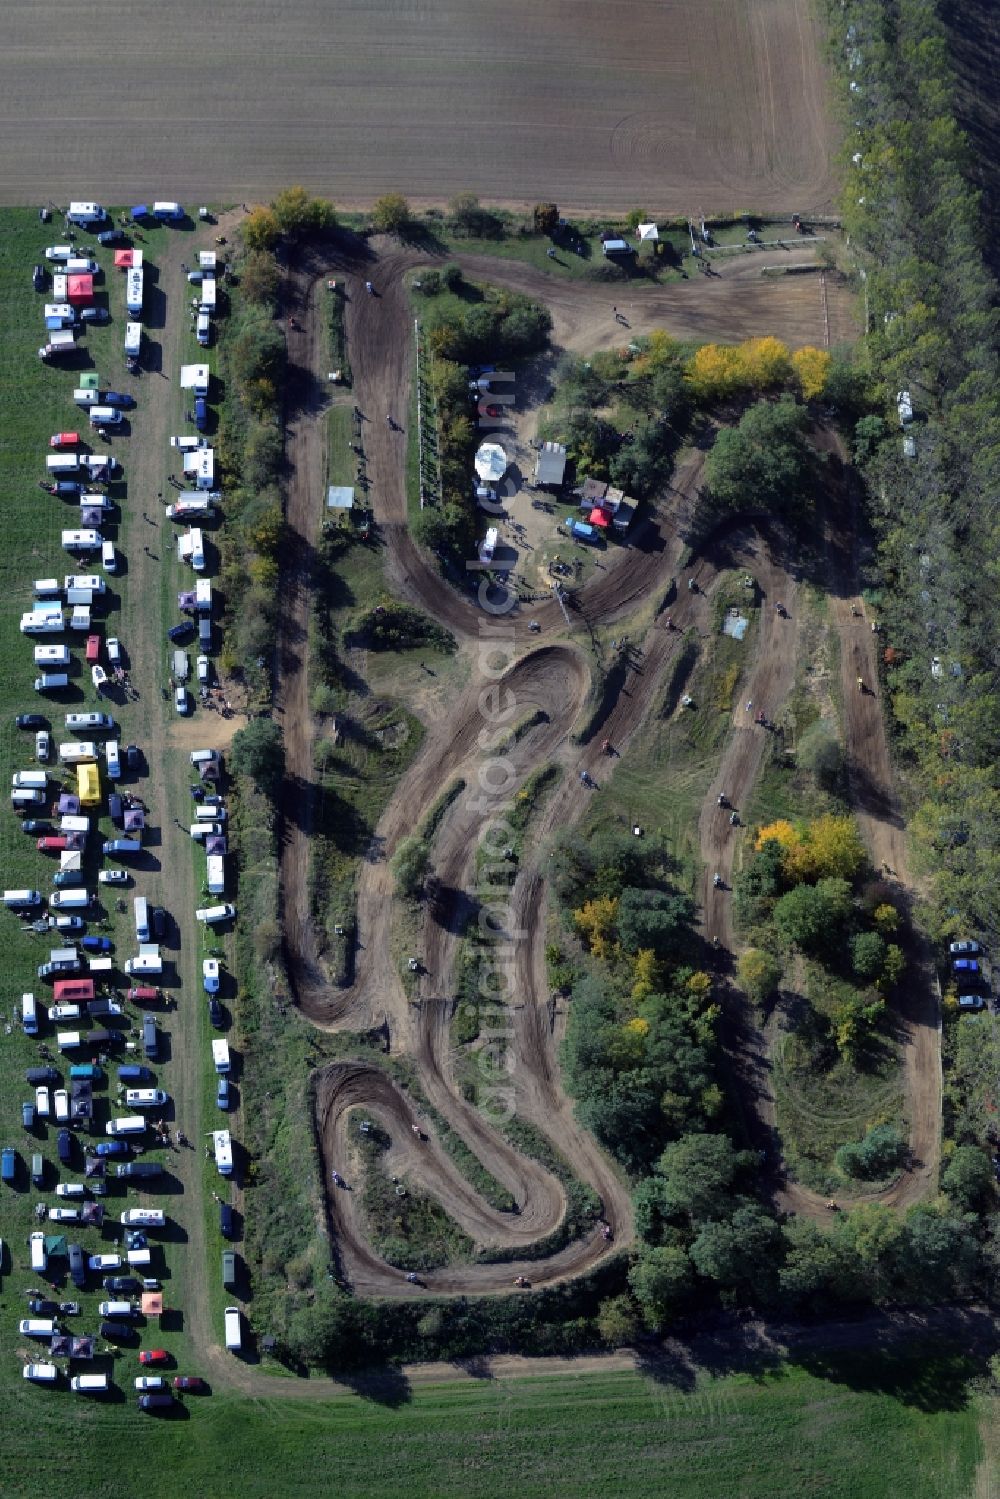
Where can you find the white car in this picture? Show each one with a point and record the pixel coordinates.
(112, 877)
(181, 699)
(60, 1099)
(71, 1189)
(59, 252)
(43, 745)
(963, 948)
(114, 759)
(42, 1101)
(64, 1215)
(210, 975)
(114, 649)
(150, 1382)
(64, 1012)
(104, 1262)
(41, 1373)
(204, 667)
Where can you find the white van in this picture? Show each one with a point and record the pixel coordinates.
(113, 759)
(46, 588)
(108, 561)
(40, 1373)
(203, 329)
(139, 1257)
(105, 416)
(30, 780)
(143, 1218)
(89, 1384)
(220, 1056)
(234, 1341)
(51, 681)
(29, 1015)
(197, 557)
(82, 541)
(78, 752)
(146, 1098)
(15, 899)
(212, 914)
(86, 397)
(141, 907)
(115, 1309)
(68, 1040)
(74, 899)
(37, 1327)
(129, 1124)
(206, 301)
(63, 464)
(85, 214)
(52, 655)
(216, 874)
(39, 1258)
(133, 339)
(88, 721)
(27, 798)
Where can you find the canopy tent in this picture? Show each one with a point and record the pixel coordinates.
(151, 1304)
(598, 517)
(648, 231)
(491, 462)
(69, 805)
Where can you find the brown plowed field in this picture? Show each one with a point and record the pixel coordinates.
(550, 672)
(679, 107)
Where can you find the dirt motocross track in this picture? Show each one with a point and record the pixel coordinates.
(545, 669)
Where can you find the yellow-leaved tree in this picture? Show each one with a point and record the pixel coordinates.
(595, 920)
(812, 367)
(644, 974)
(764, 362)
(781, 832)
(832, 848)
(714, 371)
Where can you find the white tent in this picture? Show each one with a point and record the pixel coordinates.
(491, 462)
(648, 231)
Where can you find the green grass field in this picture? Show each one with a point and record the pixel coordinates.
(870, 1429)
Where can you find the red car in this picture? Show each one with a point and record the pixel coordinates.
(154, 1356)
(64, 439)
(52, 845)
(93, 651)
(189, 1382)
(145, 992)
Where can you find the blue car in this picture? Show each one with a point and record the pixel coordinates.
(222, 1093)
(112, 1147)
(97, 944)
(112, 237)
(965, 965)
(116, 398)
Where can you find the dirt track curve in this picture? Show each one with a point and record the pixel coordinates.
(551, 673)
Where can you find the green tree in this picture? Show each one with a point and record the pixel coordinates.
(814, 1265)
(260, 278)
(867, 954)
(764, 463)
(811, 916)
(299, 214)
(258, 751)
(759, 973)
(699, 1171)
(742, 1254)
(882, 1152)
(390, 213)
(654, 919)
(968, 1178)
(410, 864)
(660, 1279)
(618, 1321)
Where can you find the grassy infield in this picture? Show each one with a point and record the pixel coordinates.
(851, 1431)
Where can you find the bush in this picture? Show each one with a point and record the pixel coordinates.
(882, 1152)
(410, 864)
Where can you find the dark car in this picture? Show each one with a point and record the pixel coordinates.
(77, 1266)
(95, 315)
(227, 1222)
(147, 1169)
(112, 1147)
(116, 808)
(31, 721)
(39, 278)
(215, 1014)
(180, 632)
(8, 1164)
(64, 1146)
(133, 757)
(156, 1400)
(39, 1307)
(121, 1283)
(118, 1332)
(37, 825)
(158, 920)
(118, 398)
(189, 1382)
(36, 1075)
(112, 237)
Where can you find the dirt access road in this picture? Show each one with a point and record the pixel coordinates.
(677, 108)
(543, 670)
